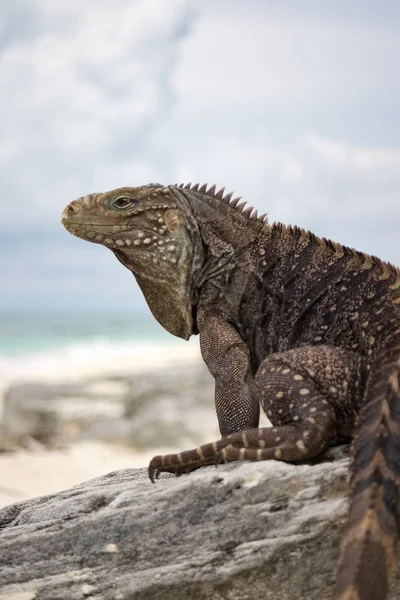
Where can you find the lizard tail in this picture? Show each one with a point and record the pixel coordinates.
(369, 544)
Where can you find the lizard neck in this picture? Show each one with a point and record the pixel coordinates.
(228, 246)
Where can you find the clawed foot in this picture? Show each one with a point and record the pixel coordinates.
(156, 467)
(186, 462)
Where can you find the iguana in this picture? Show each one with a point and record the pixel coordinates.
(304, 326)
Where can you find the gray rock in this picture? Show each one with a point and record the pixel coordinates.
(55, 414)
(171, 408)
(174, 408)
(243, 531)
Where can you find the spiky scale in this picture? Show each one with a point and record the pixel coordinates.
(240, 207)
(203, 188)
(247, 211)
(227, 197)
(211, 190)
(235, 201)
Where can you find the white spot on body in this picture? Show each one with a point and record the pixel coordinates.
(300, 445)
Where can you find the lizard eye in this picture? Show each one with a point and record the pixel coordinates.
(121, 203)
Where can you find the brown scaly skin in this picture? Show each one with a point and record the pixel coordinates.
(303, 326)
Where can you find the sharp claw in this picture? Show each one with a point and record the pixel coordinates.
(155, 468)
(218, 459)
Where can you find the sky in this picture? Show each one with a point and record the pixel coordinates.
(292, 104)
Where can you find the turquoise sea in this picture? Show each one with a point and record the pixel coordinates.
(24, 335)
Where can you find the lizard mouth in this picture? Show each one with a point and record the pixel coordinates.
(80, 227)
(70, 221)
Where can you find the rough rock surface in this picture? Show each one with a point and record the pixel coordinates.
(144, 411)
(243, 531)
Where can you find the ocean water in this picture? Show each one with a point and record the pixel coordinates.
(56, 346)
(23, 335)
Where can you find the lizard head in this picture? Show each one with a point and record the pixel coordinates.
(152, 233)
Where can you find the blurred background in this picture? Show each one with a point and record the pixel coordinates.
(292, 104)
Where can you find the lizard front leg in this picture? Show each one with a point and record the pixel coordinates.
(228, 360)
